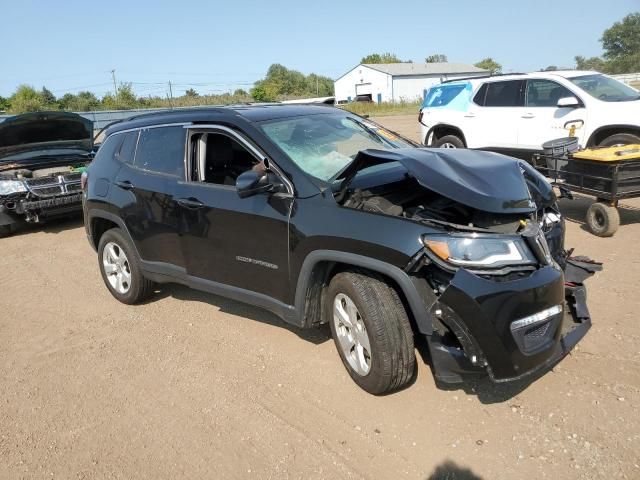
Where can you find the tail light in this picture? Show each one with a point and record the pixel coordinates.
(83, 181)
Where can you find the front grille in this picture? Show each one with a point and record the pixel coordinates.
(44, 187)
(72, 177)
(34, 182)
(48, 191)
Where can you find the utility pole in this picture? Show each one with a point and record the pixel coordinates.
(171, 94)
(115, 88)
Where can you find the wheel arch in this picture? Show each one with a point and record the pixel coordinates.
(442, 129)
(321, 265)
(607, 130)
(100, 221)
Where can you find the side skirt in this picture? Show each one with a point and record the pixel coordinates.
(166, 273)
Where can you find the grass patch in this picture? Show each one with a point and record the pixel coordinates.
(382, 109)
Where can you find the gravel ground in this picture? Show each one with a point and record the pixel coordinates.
(191, 385)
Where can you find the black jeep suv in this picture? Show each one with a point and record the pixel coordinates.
(322, 216)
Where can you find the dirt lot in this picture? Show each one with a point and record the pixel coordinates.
(192, 385)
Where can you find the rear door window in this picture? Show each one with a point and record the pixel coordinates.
(504, 94)
(161, 150)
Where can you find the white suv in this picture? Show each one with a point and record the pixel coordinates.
(517, 113)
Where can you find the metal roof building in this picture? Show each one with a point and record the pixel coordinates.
(395, 82)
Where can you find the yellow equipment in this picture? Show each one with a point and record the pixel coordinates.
(610, 154)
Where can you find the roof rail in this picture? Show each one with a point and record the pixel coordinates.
(482, 76)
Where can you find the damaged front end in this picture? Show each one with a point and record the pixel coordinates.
(42, 158)
(504, 296)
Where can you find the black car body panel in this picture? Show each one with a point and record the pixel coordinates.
(279, 249)
(471, 177)
(42, 157)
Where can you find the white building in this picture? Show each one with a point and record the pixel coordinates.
(394, 82)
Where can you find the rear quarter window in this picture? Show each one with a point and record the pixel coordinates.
(127, 149)
(108, 149)
(161, 150)
(444, 95)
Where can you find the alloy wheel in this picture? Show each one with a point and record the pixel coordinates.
(352, 334)
(116, 267)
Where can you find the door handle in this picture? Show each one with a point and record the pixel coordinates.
(528, 115)
(469, 115)
(191, 203)
(124, 184)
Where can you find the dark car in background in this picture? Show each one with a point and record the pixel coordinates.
(322, 216)
(42, 157)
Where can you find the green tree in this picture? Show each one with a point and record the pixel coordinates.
(621, 45)
(259, 93)
(281, 82)
(26, 99)
(381, 58)
(240, 93)
(489, 64)
(49, 99)
(622, 39)
(82, 102)
(551, 68)
(191, 93)
(593, 63)
(436, 58)
(4, 104)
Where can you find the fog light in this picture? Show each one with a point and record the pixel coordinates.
(536, 317)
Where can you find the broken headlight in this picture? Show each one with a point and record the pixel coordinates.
(479, 250)
(7, 187)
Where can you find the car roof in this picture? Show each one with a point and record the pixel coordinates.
(519, 76)
(249, 112)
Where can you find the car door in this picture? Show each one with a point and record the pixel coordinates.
(238, 242)
(492, 118)
(542, 120)
(146, 190)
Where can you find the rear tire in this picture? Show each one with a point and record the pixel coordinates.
(449, 141)
(120, 268)
(602, 219)
(375, 343)
(619, 139)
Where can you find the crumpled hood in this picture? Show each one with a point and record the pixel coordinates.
(36, 131)
(482, 180)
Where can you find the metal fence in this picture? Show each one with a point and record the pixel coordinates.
(628, 77)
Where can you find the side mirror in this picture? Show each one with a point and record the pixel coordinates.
(568, 102)
(253, 182)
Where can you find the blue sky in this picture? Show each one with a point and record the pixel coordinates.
(216, 46)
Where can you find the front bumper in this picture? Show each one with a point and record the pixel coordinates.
(480, 313)
(13, 210)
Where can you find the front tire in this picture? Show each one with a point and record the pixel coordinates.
(371, 331)
(120, 268)
(449, 141)
(619, 139)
